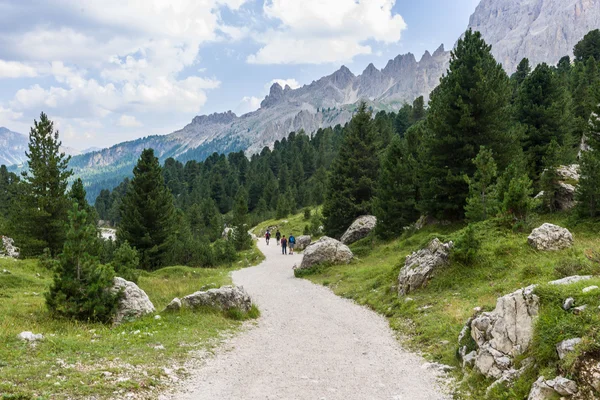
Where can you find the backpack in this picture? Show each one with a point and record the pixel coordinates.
(292, 240)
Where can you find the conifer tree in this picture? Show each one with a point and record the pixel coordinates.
(241, 238)
(125, 262)
(396, 200)
(469, 109)
(353, 175)
(78, 195)
(147, 212)
(549, 182)
(517, 79)
(543, 109)
(81, 285)
(588, 47)
(588, 190)
(481, 203)
(39, 219)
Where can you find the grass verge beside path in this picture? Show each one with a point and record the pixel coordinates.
(82, 360)
(294, 224)
(430, 319)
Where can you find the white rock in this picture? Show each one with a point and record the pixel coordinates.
(569, 172)
(30, 336)
(326, 250)
(568, 304)
(8, 248)
(134, 303)
(567, 346)
(6, 272)
(302, 242)
(359, 229)
(580, 309)
(421, 265)
(224, 298)
(541, 391)
(157, 317)
(174, 305)
(589, 289)
(570, 280)
(549, 237)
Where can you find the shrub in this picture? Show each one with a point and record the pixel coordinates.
(306, 214)
(126, 261)
(224, 252)
(46, 260)
(467, 246)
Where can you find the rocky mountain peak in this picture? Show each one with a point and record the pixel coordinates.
(275, 95)
(403, 61)
(215, 118)
(426, 56)
(342, 76)
(371, 70)
(440, 51)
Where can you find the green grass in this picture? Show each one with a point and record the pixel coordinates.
(293, 224)
(77, 359)
(433, 317)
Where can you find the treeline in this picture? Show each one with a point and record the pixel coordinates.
(487, 144)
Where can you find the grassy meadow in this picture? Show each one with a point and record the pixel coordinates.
(86, 360)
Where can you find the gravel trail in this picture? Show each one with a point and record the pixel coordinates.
(309, 344)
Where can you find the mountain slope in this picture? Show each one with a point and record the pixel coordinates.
(541, 30)
(12, 147)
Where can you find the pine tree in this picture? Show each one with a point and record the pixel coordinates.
(396, 201)
(39, 218)
(588, 190)
(418, 109)
(353, 175)
(588, 47)
(549, 182)
(125, 262)
(517, 79)
(81, 287)
(241, 238)
(543, 109)
(147, 212)
(481, 203)
(469, 109)
(78, 195)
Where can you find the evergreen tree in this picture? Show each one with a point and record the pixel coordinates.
(549, 182)
(517, 201)
(481, 202)
(588, 47)
(78, 195)
(40, 214)
(588, 190)
(469, 109)
(241, 238)
(147, 212)
(353, 175)
(125, 262)
(517, 79)
(81, 287)
(543, 109)
(418, 109)
(395, 204)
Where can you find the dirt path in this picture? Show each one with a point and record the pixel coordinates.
(309, 344)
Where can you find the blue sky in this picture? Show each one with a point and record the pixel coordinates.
(112, 70)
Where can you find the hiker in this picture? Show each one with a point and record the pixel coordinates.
(267, 236)
(278, 236)
(284, 243)
(291, 243)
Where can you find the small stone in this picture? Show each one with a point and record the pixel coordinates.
(589, 289)
(159, 347)
(567, 346)
(580, 309)
(157, 317)
(30, 336)
(6, 272)
(136, 332)
(469, 359)
(174, 305)
(568, 304)
(408, 299)
(477, 309)
(107, 374)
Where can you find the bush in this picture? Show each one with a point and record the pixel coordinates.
(306, 214)
(81, 287)
(126, 262)
(467, 246)
(306, 230)
(46, 260)
(224, 252)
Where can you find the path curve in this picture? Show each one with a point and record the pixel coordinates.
(309, 344)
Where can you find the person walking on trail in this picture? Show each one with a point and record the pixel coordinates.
(278, 236)
(291, 243)
(267, 237)
(284, 243)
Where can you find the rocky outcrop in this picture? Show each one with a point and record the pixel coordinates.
(359, 229)
(326, 250)
(567, 346)
(225, 298)
(504, 333)
(8, 248)
(302, 242)
(421, 265)
(568, 172)
(541, 30)
(134, 302)
(226, 233)
(543, 389)
(549, 237)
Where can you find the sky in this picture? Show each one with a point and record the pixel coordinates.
(113, 70)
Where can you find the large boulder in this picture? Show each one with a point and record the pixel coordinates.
(326, 250)
(359, 229)
(421, 265)
(549, 237)
(133, 304)
(504, 333)
(8, 248)
(224, 298)
(302, 242)
(565, 196)
(543, 389)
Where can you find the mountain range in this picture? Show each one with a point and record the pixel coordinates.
(542, 30)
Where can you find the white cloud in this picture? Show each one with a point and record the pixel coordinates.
(325, 31)
(13, 69)
(129, 121)
(248, 104)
